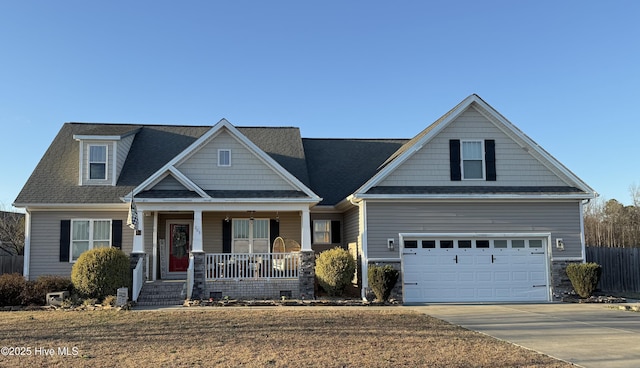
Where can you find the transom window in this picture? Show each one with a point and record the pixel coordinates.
(89, 234)
(250, 236)
(98, 162)
(224, 157)
(322, 231)
(472, 160)
(487, 243)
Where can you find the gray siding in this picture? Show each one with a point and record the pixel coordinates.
(515, 166)
(247, 171)
(45, 239)
(169, 183)
(123, 151)
(351, 226)
(387, 220)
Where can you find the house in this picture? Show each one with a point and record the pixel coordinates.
(470, 209)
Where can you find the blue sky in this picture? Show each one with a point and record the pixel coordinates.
(567, 73)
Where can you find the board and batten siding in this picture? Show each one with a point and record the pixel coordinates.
(45, 239)
(387, 220)
(515, 166)
(247, 171)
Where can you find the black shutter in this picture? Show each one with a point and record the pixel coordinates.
(226, 236)
(490, 159)
(274, 232)
(65, 240)
(335, 232)
(454, 159)
(116, 234)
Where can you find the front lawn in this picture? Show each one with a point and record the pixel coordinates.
(260, 337)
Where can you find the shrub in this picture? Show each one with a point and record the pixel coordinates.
(584, 277)
(334, 270)
(35, 292)
(12, 286)
(100, 272)
(382, 280)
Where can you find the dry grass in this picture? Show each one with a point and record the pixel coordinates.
(268, 337)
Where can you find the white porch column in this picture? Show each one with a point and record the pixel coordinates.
(138, 236)
(196, 245)
(306, 230)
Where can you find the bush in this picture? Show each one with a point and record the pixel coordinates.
(35, 292)
(100, 272)
(382, 280)
(334, 270)
(12, 286)
(584, 277)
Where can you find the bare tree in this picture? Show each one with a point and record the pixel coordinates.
(612, 224)
(11, 233)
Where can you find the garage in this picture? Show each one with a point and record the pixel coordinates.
(475, 268)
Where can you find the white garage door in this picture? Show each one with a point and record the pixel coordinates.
(439, 269)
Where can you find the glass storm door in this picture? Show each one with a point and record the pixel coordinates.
(179, 247)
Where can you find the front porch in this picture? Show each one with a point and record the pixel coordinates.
(224, 253)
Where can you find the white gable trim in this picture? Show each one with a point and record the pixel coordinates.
(500, 121)
(210, 134)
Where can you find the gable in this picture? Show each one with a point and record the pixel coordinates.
(245, 172)
(515, 165)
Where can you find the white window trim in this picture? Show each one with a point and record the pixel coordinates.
(251, 238)
(106, 162)
(484, 165)
(220, 164)
(91, 222)
(314, 232)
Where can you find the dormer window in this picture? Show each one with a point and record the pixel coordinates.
(97, 162)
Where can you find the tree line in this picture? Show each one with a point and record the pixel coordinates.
(612, 224)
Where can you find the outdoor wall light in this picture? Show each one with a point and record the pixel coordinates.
(559, 244)
(390, 244)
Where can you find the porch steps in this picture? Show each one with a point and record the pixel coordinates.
(162, 292)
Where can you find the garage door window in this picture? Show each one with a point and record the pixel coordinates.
(482, 244)
(501, 244)
(464, 244)
(446, 243)
(535, 243)
(430, 244)
(519, 243)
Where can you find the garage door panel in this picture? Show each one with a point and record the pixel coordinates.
(476, 274)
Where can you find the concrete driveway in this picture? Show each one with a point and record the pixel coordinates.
(589, 335)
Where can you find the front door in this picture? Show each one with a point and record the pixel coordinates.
(179, 246)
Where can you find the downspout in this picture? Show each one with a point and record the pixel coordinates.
(27, 244)
(582, 237)
(362, 216)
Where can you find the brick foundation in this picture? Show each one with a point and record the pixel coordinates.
(253, 289)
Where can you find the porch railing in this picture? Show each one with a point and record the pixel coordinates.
(138, 280)
(252, 265)
(190, 271)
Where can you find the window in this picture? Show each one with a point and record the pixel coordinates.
(500, 244)
(250, 236)
(411, 244)
(428, 244)
(98, 162)
(464, 243)
(446, 243)
(89, 234)
(482, 244)
(472, 162)
(322, 231)
(224, 157)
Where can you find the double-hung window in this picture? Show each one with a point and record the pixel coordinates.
(89, 234)
(322, 231)
(472, 160)
(250, 236)
(98, 162)
(224, 157)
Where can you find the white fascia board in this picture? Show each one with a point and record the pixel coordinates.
(221, 207)
(513, 129)
(73, 206)
(417, 146)
(79, 137)
(469, 196)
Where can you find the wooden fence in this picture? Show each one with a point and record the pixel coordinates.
(620, 268)
(11, 264)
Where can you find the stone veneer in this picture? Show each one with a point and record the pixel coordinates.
(560, 283)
